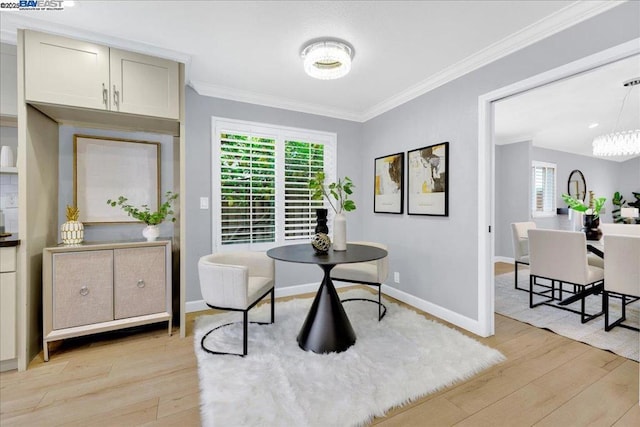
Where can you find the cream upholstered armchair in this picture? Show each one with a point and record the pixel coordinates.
(371, 273)
(561, 256)
(621, 275)
(236, 281)
(521, 245)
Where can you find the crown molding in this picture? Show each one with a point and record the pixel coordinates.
(240, 95)
(12, 22)
(567, 17)
(564, 18)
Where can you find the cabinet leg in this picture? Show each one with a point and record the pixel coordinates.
(170, 326)
(45, 347)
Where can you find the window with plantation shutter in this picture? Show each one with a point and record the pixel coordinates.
(543, 192)
(260, 183)
(302, 160)
(247, 189)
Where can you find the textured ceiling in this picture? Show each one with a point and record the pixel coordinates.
(557, 116)
(249, 51)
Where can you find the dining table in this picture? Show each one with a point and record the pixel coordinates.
(326, 328)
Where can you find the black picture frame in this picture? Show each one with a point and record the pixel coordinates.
(388, 184)
(428, 180)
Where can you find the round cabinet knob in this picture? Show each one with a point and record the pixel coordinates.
(140, 283)
(84, 291)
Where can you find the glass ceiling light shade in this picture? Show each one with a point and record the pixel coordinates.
(623, 143)
(327, 60)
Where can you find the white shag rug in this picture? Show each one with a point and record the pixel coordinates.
(393, 362)
(515, 304)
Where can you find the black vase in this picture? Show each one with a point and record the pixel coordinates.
(590, 227)
(321, 219)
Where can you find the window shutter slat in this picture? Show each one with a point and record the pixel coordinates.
(543, 195)
(302, 160)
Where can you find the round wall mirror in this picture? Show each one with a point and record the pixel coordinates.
(577, 186)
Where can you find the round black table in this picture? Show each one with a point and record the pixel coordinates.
(327, 327)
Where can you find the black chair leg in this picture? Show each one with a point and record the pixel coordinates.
(515, 285)
(605, 302)
(273, 304)
(245, 330)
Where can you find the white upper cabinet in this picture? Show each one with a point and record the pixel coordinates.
(142, 84)
(8, 80)
(64, 71)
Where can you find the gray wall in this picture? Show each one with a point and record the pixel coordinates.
(437, 257)
(512, 192)
(111, 232)
(629, 179)
(601, 175)
(199, 110)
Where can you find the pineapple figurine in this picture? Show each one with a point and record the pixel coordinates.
(72, 231)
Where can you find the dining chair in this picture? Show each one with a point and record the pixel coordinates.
(561, 257)
(609, 229)
(236, 281)
(521, 246)
(371, 273)
(621, 276)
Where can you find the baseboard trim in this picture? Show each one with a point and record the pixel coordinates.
(506, 259)
(8, 365)
(452, 317)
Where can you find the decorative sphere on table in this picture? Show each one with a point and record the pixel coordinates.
(321, 243)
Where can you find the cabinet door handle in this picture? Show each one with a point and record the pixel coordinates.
(84, 291)
(140, 283)
(105, 96)
(116, 97)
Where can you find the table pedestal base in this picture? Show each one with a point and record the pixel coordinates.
(327, 327)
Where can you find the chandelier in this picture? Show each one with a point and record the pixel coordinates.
(327, 59)
(623, 143)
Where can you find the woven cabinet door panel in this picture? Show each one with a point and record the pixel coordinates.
(140, 281)
(82, 288)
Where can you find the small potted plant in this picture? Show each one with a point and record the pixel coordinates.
(144, 214)
(591, 220)
(340, 192)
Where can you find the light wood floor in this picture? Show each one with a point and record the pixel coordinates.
(149, 378)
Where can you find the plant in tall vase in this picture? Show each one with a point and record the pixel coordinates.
(337, 194)
(591, 211)
(144, 214)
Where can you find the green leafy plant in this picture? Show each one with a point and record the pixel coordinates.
(593, 208)
(617, 201)
(143, 213)
(340, 191)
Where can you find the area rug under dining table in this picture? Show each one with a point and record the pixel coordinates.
(515, 304)
(393, 362)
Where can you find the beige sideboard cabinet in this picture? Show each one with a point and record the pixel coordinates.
(75, 73)
(8, 304)
(100, 287)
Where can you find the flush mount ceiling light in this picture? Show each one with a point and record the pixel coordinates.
(622, 143)
(327, 59)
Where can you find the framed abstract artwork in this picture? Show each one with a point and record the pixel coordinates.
(389, 184)
(106, 168)
(428, 180)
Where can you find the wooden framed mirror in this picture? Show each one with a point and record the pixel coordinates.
(577, 186)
